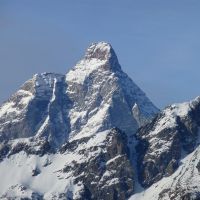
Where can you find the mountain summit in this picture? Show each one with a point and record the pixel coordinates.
(103, 94)
(101, 51)
(98, 57)
(73, 131)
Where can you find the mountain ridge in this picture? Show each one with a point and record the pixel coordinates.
(72, 127)
(169, 154)
(93, 134)
(93, 70)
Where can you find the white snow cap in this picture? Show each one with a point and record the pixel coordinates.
(98, 57)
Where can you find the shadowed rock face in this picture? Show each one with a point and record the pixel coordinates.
(107, 175)
(102, 171)
(163, 141)
(39, 109)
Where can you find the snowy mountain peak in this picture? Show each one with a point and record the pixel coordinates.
(195, 102)
(65, 123)
(99, 58)
(100, 50)
(101, 89)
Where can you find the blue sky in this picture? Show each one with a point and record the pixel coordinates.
(157, 41)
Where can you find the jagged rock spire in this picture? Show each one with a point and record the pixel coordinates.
(102, 51)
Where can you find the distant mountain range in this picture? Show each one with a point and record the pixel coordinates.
(94, 134)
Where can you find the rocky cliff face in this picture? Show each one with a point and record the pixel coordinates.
(96, 167)
(106, 171)
(168, 153)
(56, 133)
(104, 96)
(38, 109)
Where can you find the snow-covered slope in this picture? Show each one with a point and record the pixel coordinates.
(92, 167)
(56, 133)
(38, 109)
(184, 183)
(104, 96)
(169, 152)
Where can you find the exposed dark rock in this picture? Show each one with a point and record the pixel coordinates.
(198, 166)
(159, 149)
(36, 171)
(179, 193)
(109, 174)
(4, 150)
